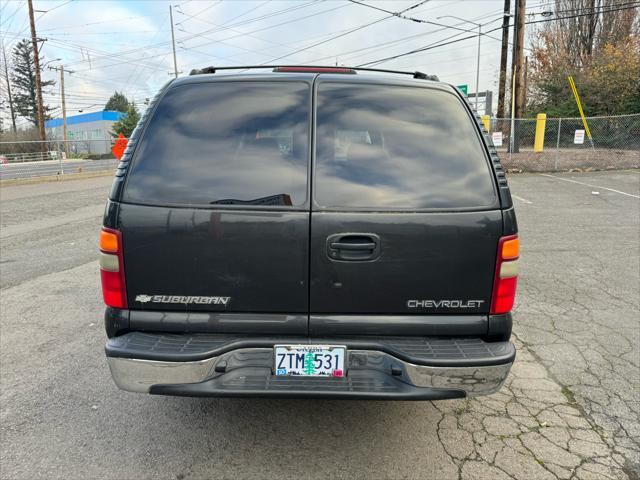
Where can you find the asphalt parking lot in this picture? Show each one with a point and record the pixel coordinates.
(570, 408)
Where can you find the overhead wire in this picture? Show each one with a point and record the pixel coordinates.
(383, 45)
(443, 43)
(135, 50)
(419, 20)
(268, 27)
(10, 17)
(261, 29)
(348, 32)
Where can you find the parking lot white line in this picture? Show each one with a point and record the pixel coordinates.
(523, 200)
(590, 185)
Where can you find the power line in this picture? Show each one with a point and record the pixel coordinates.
(97, 33)
(56, 7)
(195, 15)
(241, 33)
(135, 61)
(65, 46)
(375, 46)
(225, 26)
(279, 12)
(67, 27)
(222, 26)
(348, 32)
(494, 38)
(329, 39)
(252, 9)
(441, 43)
(10, 17)
(392, 42)
(164, 22)
(268, 27)
(419, 20)
(240, 23)
(631, 6)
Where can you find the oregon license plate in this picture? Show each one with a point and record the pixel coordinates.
(310, 360)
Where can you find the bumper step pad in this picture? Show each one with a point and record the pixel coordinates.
(451, 352)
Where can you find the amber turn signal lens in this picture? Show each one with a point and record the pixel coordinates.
(511, 249)
(108, 242)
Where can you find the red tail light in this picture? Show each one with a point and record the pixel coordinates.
(506, 276)
(114, 290)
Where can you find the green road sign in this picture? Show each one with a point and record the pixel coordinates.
(463, 89)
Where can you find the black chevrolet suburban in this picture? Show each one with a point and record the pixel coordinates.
(309, 232)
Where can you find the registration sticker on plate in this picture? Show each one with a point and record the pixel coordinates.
(310, 360)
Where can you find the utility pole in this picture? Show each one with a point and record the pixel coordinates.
(36, 65)
(6, 77)
(516, 69)
(173, 43)
(64, 107)
(503, 57)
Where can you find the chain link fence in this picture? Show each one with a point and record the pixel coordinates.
(31, 158)
(614, 144)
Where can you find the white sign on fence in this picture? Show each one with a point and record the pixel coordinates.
(497, 139)
(578, 138)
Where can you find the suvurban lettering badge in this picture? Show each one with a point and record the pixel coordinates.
(444, 303)
(182, 299)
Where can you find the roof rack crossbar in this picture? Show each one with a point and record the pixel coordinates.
(212, 69)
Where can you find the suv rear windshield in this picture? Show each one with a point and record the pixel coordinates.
(225, 143)
(397, 147)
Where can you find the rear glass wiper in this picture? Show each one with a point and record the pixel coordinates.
(283, 199)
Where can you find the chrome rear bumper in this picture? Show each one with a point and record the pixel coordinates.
(248, 372)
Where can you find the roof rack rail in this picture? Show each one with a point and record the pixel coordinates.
(313, 68)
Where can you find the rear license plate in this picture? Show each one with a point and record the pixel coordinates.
(310, 360)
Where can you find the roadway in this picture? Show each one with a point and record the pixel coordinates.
(569, 409)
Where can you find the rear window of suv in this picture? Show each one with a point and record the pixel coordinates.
(225, 143)
(384, 146)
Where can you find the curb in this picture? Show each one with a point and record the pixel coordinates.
(56, 178)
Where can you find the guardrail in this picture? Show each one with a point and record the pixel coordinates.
(29, 159)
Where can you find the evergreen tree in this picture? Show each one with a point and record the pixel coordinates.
(127, 124)
(23, 79)
(309, 368)
(118, 102)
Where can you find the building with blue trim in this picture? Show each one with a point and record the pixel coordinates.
(88, 132)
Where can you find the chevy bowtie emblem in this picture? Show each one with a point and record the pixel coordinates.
(143, 298)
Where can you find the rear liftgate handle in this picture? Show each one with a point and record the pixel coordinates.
(353, 247)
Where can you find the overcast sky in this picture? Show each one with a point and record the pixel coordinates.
(126, 45)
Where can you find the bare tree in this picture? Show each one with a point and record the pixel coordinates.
(585, 38)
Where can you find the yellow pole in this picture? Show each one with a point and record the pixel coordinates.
(541, 123)
(572, 84)
(486, 120)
